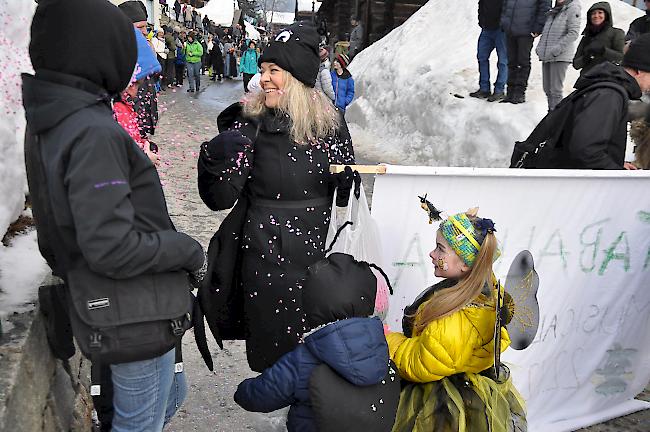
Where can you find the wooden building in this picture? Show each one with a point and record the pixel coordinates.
(378, 17)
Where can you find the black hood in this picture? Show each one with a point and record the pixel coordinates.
(338, 288)
(344, 75)
(91, 39)
(609, 72)
(50, 97)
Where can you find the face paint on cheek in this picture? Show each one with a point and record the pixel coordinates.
(442, 264)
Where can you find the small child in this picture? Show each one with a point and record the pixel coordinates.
(338, 298)
(123, 107)
(447, 349)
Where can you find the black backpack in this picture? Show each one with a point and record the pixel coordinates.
(547, 140)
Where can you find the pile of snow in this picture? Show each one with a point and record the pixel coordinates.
(21, 265)
(405, 110)
(306, 5)
(219, 11)
(14, 59)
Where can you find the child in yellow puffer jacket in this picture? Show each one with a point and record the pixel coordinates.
(447, 349)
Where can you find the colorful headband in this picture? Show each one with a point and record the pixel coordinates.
(460, 233)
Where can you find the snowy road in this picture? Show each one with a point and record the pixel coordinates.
(186, 121)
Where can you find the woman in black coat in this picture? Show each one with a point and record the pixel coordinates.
(272, 158)
(601, 41)
(216, 60)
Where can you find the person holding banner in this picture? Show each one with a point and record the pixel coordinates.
(272, 158)
(447, 349)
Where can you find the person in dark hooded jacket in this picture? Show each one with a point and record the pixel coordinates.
(601, 41)
(97, 198)
(639, 26)
(338, 300)
(603, 147)
(272, 157)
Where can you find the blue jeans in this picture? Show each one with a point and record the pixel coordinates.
(487, 42)
(194, 74)
(146, 394)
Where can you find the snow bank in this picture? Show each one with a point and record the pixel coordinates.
(16, 17)
(21, 270)
(219, 11)
(406, 111)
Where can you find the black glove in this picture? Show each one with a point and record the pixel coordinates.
(197, 276)
(595, 49)
(226, 145)
(343, 182)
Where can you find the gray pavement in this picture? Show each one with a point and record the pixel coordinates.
(186, 120)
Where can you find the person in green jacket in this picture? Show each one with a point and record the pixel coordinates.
(248, 63)
(193, 53)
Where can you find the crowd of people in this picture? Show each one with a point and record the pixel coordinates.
(511, 26)
(101, 216)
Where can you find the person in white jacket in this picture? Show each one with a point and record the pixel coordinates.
(324, 79)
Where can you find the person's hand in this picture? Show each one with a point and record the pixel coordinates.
(630, 166)
(197, 276)
(344, 182)
(153, 156)
(226, 145)
(534, 35)
(595, 49)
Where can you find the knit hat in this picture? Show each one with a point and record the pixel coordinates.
(464, 237)
(295, 49)
(147, 62)
(638, 54)
(90, 39)
(343, 60)
(135, 10)
(323, 53)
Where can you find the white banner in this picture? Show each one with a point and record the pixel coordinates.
(589, 233)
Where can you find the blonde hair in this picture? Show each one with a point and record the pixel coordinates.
(449, 300)
(312, 114)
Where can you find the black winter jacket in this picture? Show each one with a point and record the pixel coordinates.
(354, 348)
(523, 17)
(639, 26)
(284, 225)
(601, 147)
(605, 45)
(489, 14)
(108, 207)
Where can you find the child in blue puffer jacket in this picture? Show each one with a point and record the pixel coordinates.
(339, 378)
(342, 82)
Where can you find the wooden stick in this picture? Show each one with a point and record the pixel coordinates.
(362, 169)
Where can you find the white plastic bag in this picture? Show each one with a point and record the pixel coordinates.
(360, 239)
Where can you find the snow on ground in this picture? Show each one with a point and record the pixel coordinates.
(405, 110)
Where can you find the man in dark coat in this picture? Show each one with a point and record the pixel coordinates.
(356, 37)
(97, 199)
(641, 25)
(491, 38)
(603, 147)
(522, 21)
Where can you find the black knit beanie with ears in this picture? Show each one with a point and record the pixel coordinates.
(295, 49)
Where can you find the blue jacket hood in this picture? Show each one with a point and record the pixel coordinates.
(355, 348)
(147, 62)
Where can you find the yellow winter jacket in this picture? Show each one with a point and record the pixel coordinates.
(461, 342)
